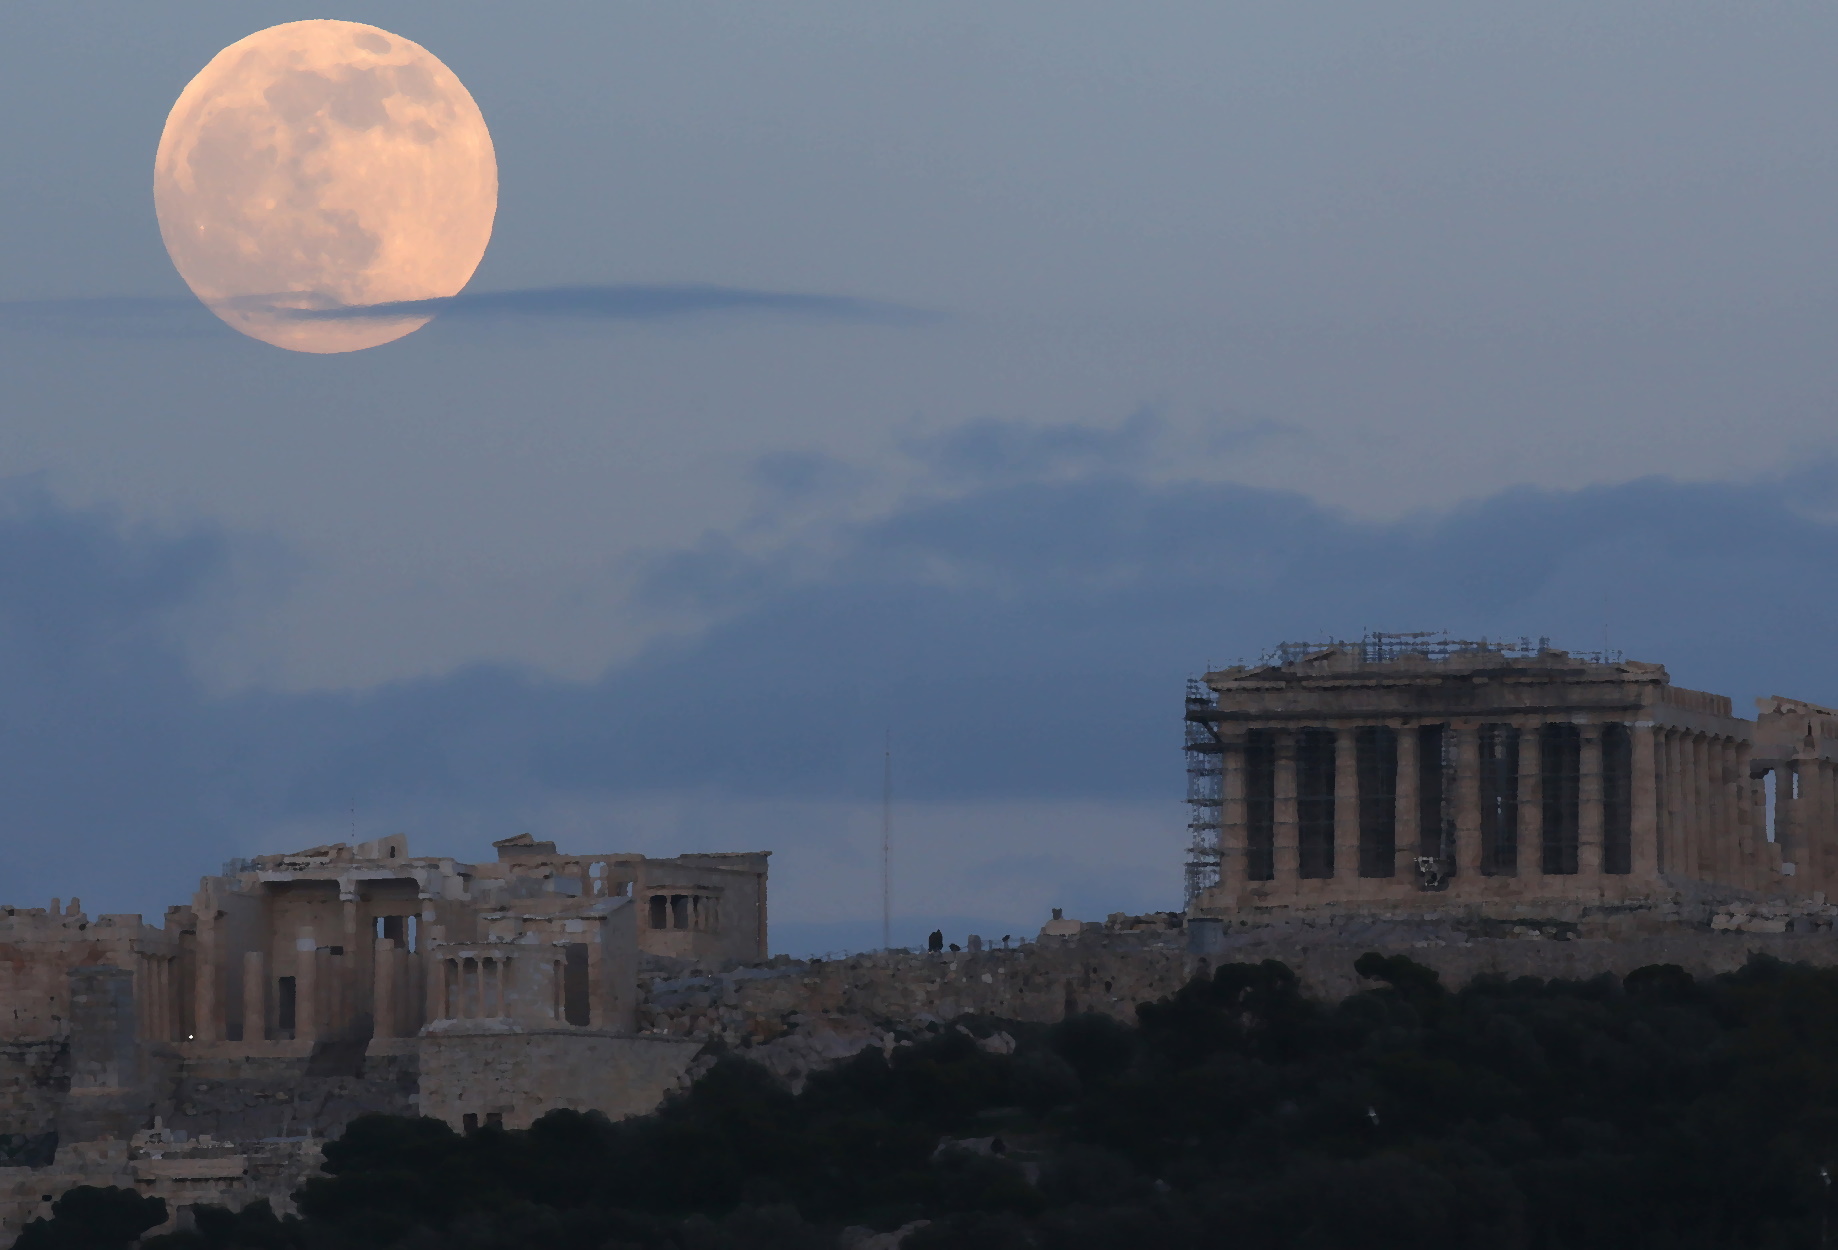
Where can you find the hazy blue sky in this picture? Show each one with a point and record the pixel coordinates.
(1235, 322)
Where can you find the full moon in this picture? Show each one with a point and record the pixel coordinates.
(318, 167)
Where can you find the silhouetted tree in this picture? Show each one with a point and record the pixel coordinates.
(92, 1217)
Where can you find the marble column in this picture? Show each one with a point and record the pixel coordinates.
(1233, 820)
(255, 997)
(1733, 783)
(1719, 825)
(1467, 798)
(1754, 819)
(207, 1020)
(1786, 816)
(1531, 795)
(354, 965)
(1409, 816)
(1288, 866)
(1589, 802)
(1666, 851)
(1764, 861)
(1644, 817)
(1346, 805)
(306, 985)
(383, 990)
(1701, 824)
(439, 988)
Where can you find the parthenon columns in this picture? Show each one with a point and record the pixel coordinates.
(1644, 819)
(1287, 827)
(1589, 807)
(1520, 771)
(1407, 815)
(1531, 793)
(1467, 797)
(207, 1009)
(1346, 803)
(1233, 814)
(1638, 802)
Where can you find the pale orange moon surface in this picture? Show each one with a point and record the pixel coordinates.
(324, 165)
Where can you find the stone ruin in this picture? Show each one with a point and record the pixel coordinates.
(1487, 810)
(1418, 773)
(205, 1059)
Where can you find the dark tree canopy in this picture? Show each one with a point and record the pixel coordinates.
(92, 1217)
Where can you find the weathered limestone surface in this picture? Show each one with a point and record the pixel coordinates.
(797, 1017)
(1400, 767)
(1035, 981)
(302, 1089)
(34, 1081)
(1460, 950)
(299, 991)
(515, 1078)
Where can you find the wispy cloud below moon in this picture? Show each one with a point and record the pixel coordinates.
(137, 317)
(632, 303)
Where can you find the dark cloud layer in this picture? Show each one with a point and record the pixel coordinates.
(1026, 638)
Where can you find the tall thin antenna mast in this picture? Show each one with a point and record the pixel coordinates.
(887, 844)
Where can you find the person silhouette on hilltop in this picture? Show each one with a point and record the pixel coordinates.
(936, 942)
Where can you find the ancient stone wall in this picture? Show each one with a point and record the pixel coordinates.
(38, 949)
(513, 1079)
(34, 1081)
(798, 1016)
(299, 1089)
(1034, 981)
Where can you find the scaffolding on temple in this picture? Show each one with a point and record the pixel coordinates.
(1205, 798)
(1205, 754)
(1375, 647)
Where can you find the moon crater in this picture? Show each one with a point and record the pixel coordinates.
(320, 166)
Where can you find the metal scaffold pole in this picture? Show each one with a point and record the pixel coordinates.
(1205, 797)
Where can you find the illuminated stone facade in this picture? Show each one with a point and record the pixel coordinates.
(1371, 776)
(298, 991)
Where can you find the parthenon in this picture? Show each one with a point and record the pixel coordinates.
(1412, 770)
